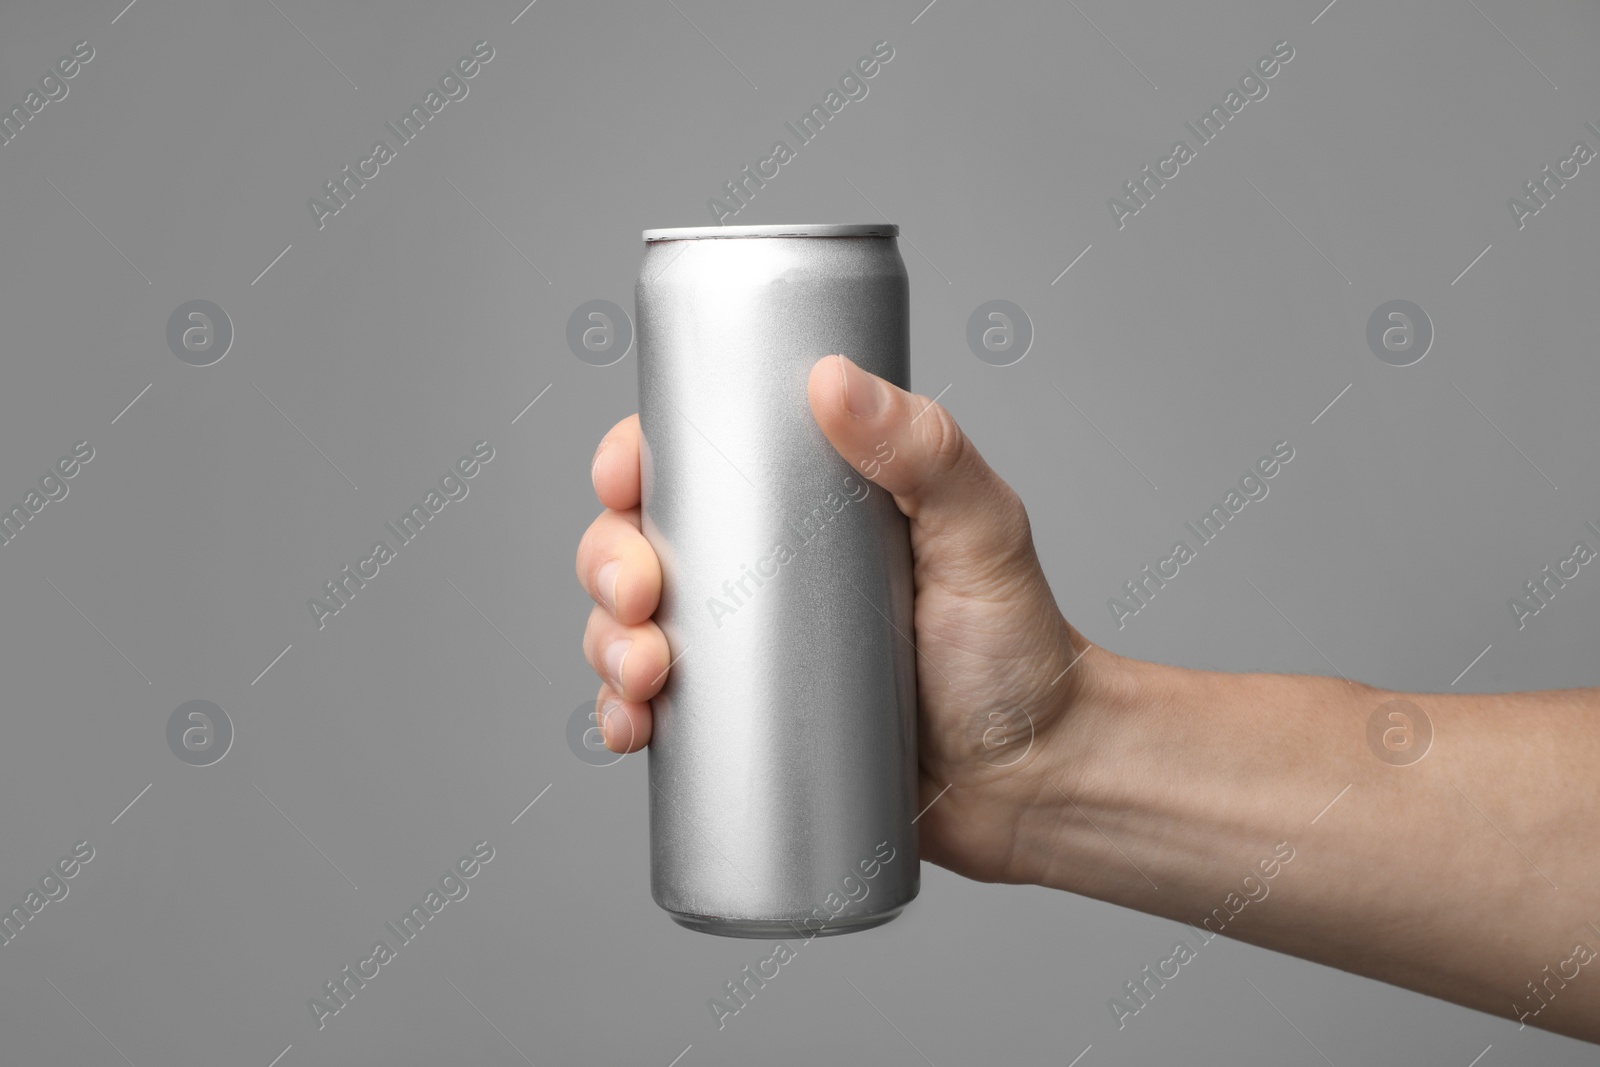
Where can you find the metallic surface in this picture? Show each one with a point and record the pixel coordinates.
(783, 763)
(722, 233)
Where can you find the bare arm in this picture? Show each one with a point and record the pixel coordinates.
(1471, 874)
(1255, 806)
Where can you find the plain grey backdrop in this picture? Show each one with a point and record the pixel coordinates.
(369, 353)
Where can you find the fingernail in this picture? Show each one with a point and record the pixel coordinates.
(612, 719)
(605, 583)
(595, 465)
(863, 394)
(616, 653)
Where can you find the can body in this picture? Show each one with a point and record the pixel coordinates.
(783, 757)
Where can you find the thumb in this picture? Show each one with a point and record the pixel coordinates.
(968, 525)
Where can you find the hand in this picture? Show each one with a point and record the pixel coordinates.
(993, 651)
(1164, 788)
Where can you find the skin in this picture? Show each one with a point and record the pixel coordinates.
(1471, 874)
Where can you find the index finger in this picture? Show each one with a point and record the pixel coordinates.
(615, 471)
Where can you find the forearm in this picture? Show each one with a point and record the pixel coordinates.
(1464, 875)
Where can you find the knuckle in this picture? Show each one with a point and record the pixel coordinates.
(945, 444)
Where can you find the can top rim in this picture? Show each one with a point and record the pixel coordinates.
(705, 233)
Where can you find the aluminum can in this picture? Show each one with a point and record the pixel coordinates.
(783, 758)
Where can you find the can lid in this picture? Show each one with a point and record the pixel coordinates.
(706, 233)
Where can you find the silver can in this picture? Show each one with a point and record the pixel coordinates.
(783, 760)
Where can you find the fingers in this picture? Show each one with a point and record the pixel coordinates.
(632, 660)
(913, 448)
(615, 469)
(618, 568)
(624, 724)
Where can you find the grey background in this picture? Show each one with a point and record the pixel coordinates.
(376, 751)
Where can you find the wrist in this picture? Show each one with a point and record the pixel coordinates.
(1175, 778)
(1085, 760)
